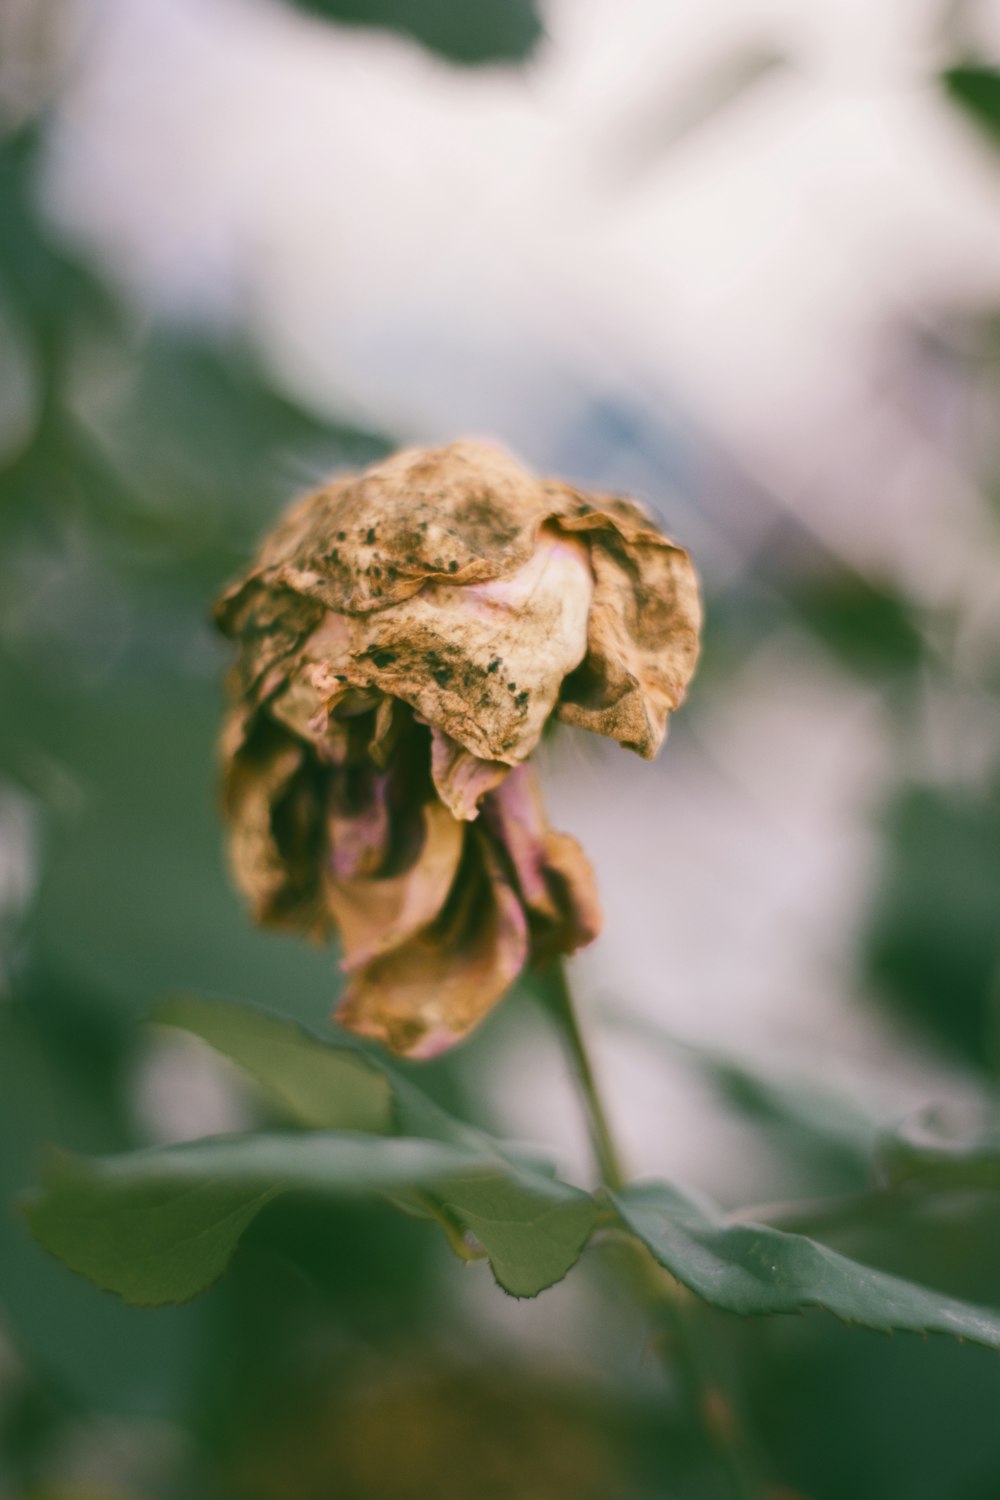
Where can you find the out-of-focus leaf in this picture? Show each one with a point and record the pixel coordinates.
(321, 1086)
(753, 1269)
(134, 897)
(871, 628)
(334, 1085)
(933, 942)
(976, 90)
(489, 31)
(303, 1073)
(59, 1081)
(160, 1225)
(49, 289)
(936, 1150)
(809, 1114)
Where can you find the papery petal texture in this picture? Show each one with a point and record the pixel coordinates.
(405, 637)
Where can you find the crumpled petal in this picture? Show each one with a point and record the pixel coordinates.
(268, 801)
(484, 662)
(573, 889)
(378, 913)
(439, 578)
(553, 875)
(466, 513)
(358, 823)
(644, 628)
(271, 625)
(405, 635)
(461, 779)
(427, 994)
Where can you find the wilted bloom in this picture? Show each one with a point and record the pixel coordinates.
(405, 635)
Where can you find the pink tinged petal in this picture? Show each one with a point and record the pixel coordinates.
(460, 778)
(358, 824)
(515, 816)
(485, 662)
(376, 914)
(574, 891)
(552, 872)
(389, 717)
(428, 994)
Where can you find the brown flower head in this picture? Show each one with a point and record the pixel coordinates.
(404, 636)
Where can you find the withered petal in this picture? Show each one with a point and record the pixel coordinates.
(271, 624)
(263, 765)
(643, 632)
(484, 662)
(467, 512)
(426, 995)
(376, 914)
(461, 779)
(552, 873)
(573, 888)
(359, 829)
(407, 632)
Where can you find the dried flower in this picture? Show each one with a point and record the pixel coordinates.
(405, 635)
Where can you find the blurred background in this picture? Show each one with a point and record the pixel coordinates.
(739, 258)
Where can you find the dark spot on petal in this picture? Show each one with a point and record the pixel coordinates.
(370, 536)
(381, 656)
(521, 698)
(453, 566)
(341, 536)
(512, 687)
(439, 670)
(494, 664)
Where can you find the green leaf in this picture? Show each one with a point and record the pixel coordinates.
(302, 1074)
(532, 1237)
(321, 1086)
(934, 1149)
(489, 31)
(531, 1226)
(159, 1225)
(867, 623)
(753, 1269)
(812, 1115)
(933, 940)
(977, 91)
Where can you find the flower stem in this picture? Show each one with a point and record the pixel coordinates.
(563, 1010)
(685, 1344)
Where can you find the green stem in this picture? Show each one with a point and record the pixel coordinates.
(563, 1010)
(687, 1347)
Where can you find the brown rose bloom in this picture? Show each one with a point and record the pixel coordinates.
(404, 636)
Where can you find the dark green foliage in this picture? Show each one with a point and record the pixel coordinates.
(755, 1269)
(933, 943)
(872, 629)
(488, 31)
(976, 90)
